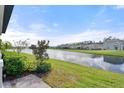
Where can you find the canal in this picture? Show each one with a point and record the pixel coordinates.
(109, 63)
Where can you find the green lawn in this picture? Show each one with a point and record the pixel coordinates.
(66, 74)
(99, 52)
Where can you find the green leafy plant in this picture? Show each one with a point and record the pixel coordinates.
(40, 51)
(41, 55)
(16, 64)
(13, 66)
(5, 45)
(43, 68)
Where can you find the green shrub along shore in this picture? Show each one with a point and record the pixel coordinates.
(63, 74)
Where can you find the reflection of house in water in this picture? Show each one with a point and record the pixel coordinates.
(114, 60)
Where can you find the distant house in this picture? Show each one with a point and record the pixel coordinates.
(107, 44)
(113, 44)
(83, 45)
(95, 46)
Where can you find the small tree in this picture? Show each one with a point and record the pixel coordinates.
(5, 45)
(40, 51)
(20, 45)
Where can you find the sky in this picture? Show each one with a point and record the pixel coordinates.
(65, 24)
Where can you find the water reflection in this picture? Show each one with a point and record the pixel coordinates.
(114, 60)
(114, 64)
(110, 63)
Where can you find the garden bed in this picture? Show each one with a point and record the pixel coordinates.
(19, 65)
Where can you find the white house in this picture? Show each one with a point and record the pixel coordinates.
(95, 46)
(113, 44)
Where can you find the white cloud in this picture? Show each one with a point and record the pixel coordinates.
(97, 17)
(101, 12)
(95, 35)
(38, 27)
(119, 7)
(41, 10)
(13, 34)
(55, 24)
(108, 20)
(17, 32)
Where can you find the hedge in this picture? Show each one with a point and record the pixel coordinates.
(16, 64)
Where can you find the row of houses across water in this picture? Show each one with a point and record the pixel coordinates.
(107, 44)
(113, 44)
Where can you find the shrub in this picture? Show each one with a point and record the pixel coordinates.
(13, 66)
(43, 68)
(5, 45)
(39, 51)
(41, 55)
(30, 62)
(16, 64)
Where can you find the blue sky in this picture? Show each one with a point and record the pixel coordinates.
(65, 24)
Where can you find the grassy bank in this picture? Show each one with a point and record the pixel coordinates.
(99, 52)
(66, 74)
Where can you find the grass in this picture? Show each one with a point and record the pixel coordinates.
(65, 74)
(99, 52)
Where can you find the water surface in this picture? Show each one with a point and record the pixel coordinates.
(109, 63)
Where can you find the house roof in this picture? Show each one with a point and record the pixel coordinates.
(5, 14)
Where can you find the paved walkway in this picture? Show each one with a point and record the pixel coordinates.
(30, 81)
